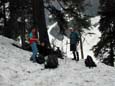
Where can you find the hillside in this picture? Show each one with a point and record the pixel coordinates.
(17, 70)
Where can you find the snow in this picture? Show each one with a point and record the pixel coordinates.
(17, 70)
(89, 40)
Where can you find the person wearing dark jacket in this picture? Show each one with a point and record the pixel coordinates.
(74, 40)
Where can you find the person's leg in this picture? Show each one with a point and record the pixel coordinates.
(77, 55)
(74, 55)
(34, 50)
(72, 48)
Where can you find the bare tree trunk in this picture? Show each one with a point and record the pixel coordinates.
(4, 16)
(22, 33)
(39, 20)
(81, 46)
(4, 12)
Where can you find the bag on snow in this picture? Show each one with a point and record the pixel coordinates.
(51, 61)
(40, 59)
(89, 62)
(108, 61)
(58, 53)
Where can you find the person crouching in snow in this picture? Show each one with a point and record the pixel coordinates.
(33, 39)
(74, 40)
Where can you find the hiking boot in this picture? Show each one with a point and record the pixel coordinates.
(77, 59)
(73, 59)
(34, 61)
(61, 57)
(31, 59)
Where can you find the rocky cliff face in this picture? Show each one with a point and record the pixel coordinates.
(92, 7)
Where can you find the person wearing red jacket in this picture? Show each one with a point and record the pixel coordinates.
(33, 39)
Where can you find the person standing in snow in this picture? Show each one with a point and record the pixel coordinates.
(74, 41)
(33, 39)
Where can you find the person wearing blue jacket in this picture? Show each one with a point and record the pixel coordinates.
(74, 40)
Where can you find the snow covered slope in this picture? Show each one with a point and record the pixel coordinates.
(91, 37)
(17, 70)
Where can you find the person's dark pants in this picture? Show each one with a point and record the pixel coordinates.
(74, 51)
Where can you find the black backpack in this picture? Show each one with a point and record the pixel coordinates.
(58, 53)
(108, 61)
(40, 59)
(89, 62)
(51, 61)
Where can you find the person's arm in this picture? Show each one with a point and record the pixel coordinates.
(77, 37)
(34, 37)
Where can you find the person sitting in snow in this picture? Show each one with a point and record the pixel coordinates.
(74, 40)
(33, 39)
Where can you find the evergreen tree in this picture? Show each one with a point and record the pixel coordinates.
(19, 11)
(58, 16)
(75, 9)
(3, 12)
(15, 25)
(106, 45)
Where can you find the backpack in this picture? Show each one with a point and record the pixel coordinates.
(89, 62)
(108, 61)
(51, 61)
(59, 53)
(40, 59)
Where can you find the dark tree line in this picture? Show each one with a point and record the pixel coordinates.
(3, 13)
(106, 45)
(16, 9)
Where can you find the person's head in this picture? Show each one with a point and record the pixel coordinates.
(43, 44)
(77, 28)
(71, 29)
(33, 29)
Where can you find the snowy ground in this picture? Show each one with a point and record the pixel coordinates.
(17, 70)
